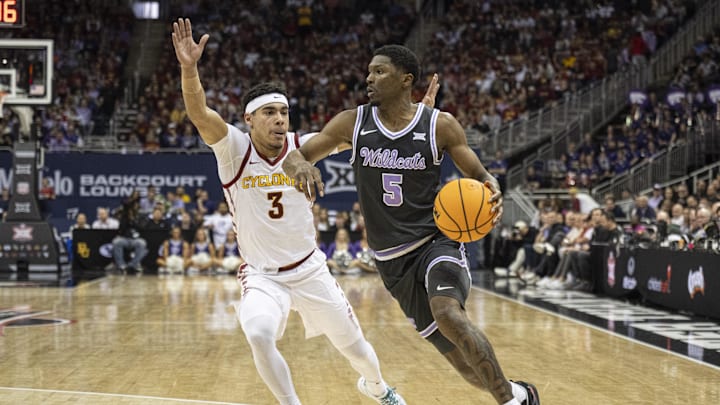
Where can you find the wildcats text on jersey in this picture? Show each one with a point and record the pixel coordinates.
(388, 159)
(267, 180)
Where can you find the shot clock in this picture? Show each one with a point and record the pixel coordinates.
(12, 13)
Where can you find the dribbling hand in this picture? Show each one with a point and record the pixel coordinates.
(497, 200)
(187, 51)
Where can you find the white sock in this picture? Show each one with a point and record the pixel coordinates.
(378, 389)
(513, 401)
(519, 392)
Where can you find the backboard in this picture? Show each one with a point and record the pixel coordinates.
(26, 71)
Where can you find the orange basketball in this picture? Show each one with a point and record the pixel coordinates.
(462, 210)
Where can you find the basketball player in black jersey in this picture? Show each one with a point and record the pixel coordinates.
(397, 149)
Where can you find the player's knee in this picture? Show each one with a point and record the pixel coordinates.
(359, 351)
(447, 313)
(258, 336)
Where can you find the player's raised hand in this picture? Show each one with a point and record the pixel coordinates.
(432, 90)
(188, 51)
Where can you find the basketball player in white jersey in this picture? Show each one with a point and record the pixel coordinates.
(276, 235)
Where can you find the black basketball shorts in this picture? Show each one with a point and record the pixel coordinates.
(439, 267)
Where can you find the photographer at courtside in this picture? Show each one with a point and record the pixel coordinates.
(128, 237)
(512, 249)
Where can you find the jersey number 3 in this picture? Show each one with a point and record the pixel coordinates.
(277, 211)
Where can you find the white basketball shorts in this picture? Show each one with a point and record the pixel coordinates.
(310, 290)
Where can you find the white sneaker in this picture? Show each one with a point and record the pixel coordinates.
(544, 282)
(530, 278)
(501, 271)
(389, 398)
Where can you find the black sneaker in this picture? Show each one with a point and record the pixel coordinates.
(533, 398)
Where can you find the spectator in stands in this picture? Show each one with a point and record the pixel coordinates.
(550, 252)
(642, 211)
(682, 194)
(156, 221)
(364, 256)
(573, 272)
(703, 227)
(189, 138)
(677, 217)
(45, 195)
(511, 254)
(711, 193)
(152, 141)
(181, 194)
(342, 221)
(669, 195)
(228, 254)
(176, 204)
(573, 200)
(104, 220)
(147, 203)
(691, 202)
(170, 137)
(128, 237)
(612, 208)
(341, 253)
(202, 253)
(656, 198)
(72, 135)
(80, 223)
(57, 141)
(532, 180)
(357, 222)
(174, 251)
(323, 220)
(186, 223)
(219, 224)
(498, 168)
(203, 204)
(700, 188)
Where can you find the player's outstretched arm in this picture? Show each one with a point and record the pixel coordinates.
(452, 139)
(210, 125)
(299, 164)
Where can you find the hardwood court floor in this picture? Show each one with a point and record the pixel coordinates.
(152, 340)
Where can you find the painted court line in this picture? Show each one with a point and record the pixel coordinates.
(103, 394)
(22, 316)
(567, 318)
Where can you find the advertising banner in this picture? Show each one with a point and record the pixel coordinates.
(93, 251)
(680, 280)
(617, 270)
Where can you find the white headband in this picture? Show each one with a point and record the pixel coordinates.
(258, 102)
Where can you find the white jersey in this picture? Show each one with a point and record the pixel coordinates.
(220, 225)
(273, 221)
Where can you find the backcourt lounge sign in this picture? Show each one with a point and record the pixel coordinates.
(117, 176)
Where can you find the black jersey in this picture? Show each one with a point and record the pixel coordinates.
(397, 176)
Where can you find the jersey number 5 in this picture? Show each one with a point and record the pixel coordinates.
(392, 184)
(277, 211)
